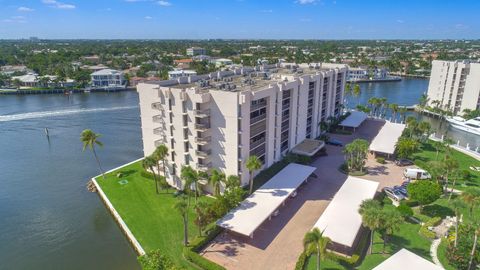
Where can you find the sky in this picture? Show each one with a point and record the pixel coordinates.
(240, 19)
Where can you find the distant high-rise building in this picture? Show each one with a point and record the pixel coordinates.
(454, 86)
(218, 120)
(196, 51)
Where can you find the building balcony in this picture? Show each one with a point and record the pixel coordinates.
(203, 153)
(202, 127)
(157, 106)
(159, 131)
(202, 113)
(159, 142)
(158, 119)
(257, 119)
(204, 167)
(258, 106)
(203, 141)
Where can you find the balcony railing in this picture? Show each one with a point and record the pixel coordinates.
(158, 118)
(157, 106)
(203, 153)
(205, 140)
(159, 142)
(159, 131)
(202, 113)
(258, 106)
(202, 127)
(257, 119)
(204, 167)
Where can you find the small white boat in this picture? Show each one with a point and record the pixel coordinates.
(470, 126)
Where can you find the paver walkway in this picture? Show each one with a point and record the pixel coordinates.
(434, 250)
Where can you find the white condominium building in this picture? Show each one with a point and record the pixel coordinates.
(196, 51)
(108, 78)
(220, 119)
(454, 85)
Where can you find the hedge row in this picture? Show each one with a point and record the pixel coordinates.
(191, 252)
(302, 259)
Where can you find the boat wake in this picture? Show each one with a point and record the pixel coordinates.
(45, 114)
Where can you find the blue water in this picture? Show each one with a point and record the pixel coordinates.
(48, 220)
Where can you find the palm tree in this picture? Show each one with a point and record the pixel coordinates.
(356, 92)
(383, 106)
(232, 182)
(90, 140)
(457, 205)
(403, 113)
(471, 197)
(182, 208)
(449, 165)
(160, 154)
(314, 241)
(253, 164)
(474, 247)
(394, 109)
(189, 177)
(216, 179)
(438, 145)
(201, 216)
(148, 163)
(371, 212)
(391, 221)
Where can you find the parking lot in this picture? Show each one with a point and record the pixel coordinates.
(278, 242)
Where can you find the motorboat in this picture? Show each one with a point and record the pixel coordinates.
(470, 126)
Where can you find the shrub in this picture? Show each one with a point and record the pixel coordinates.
(430, 223)
(381, 160)
(459, 256)
(190, 252)
(154, 260)
(302, 259)
(405, 210)
(147, 175)
(424, 191)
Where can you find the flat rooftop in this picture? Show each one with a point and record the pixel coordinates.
(354, 120)
(248, 78)
(387, 138)
(261, 204)
(308, 147)
(341, 221)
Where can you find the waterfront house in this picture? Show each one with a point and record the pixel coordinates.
(108, 78)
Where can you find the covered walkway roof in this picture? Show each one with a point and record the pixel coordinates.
(405, 259)
(354, 120)
(341, 221)
(387, 138)
(259, 206)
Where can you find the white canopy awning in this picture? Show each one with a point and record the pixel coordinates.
(259, 206)
(341, 221)
(354, 120)
(387, 138)
(405, 259)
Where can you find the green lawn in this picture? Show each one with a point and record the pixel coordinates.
(406, 237)
(324, 265)
(442, 255)
(149, 216)
(428, 153)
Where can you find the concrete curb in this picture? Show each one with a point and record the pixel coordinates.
(123, 226)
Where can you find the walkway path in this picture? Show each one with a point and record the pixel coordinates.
(433, 251)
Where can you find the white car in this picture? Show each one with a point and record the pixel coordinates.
(393, 194)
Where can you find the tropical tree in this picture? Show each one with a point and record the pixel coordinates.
(356, 154)
(232, 182)
(160, 155)
(450, 165)
(423, 101)
(189, 177)
(405, 147)
(90, 140)
(383, 106)
(148, 163)
(356, 92)
(182, 208)
(403, 113)
(201, 218)
(394, 108)
(216, 179)
(424, 192)
(315, 242)
(438, 145)
(371, 212)
(471, 197)
(476, 229)
(253, 164)
(391, 221)
(457, 205)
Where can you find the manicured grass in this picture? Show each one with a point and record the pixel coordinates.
(324, 265)
(428, 153)
(150, 217)
(442, 255)
(406, 237)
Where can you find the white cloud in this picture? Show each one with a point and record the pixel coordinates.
(164, 3)
(25, 9)
(305, 2)
(148, 17)
(59, 5)
(15, 19)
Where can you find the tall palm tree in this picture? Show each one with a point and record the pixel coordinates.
(314, 241)
(356, 92)
(189, 177)
(182, 208)
(90, 140)
(394, 109)
(457, 205)
(403, 113)
(391, 221)
(253, 164)
(471, 197)
(450, 165)
(148, 163)
(160, 154)
(371, 212)
(216, 179)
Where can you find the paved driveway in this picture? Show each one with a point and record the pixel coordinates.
(278, 242)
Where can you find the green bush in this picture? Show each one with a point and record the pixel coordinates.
(405, 210)
(190, 252)
(154, 260)
(302, 259)
(381, 160)
(411, 203)
(430, 223)
(147, 175)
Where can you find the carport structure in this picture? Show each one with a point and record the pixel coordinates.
(261, 204)
(387, 138)
(354, 120)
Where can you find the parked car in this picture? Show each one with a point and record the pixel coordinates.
(334, 142)
(403, 162)
(416, 173)
(393, 194)
(402, 190)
